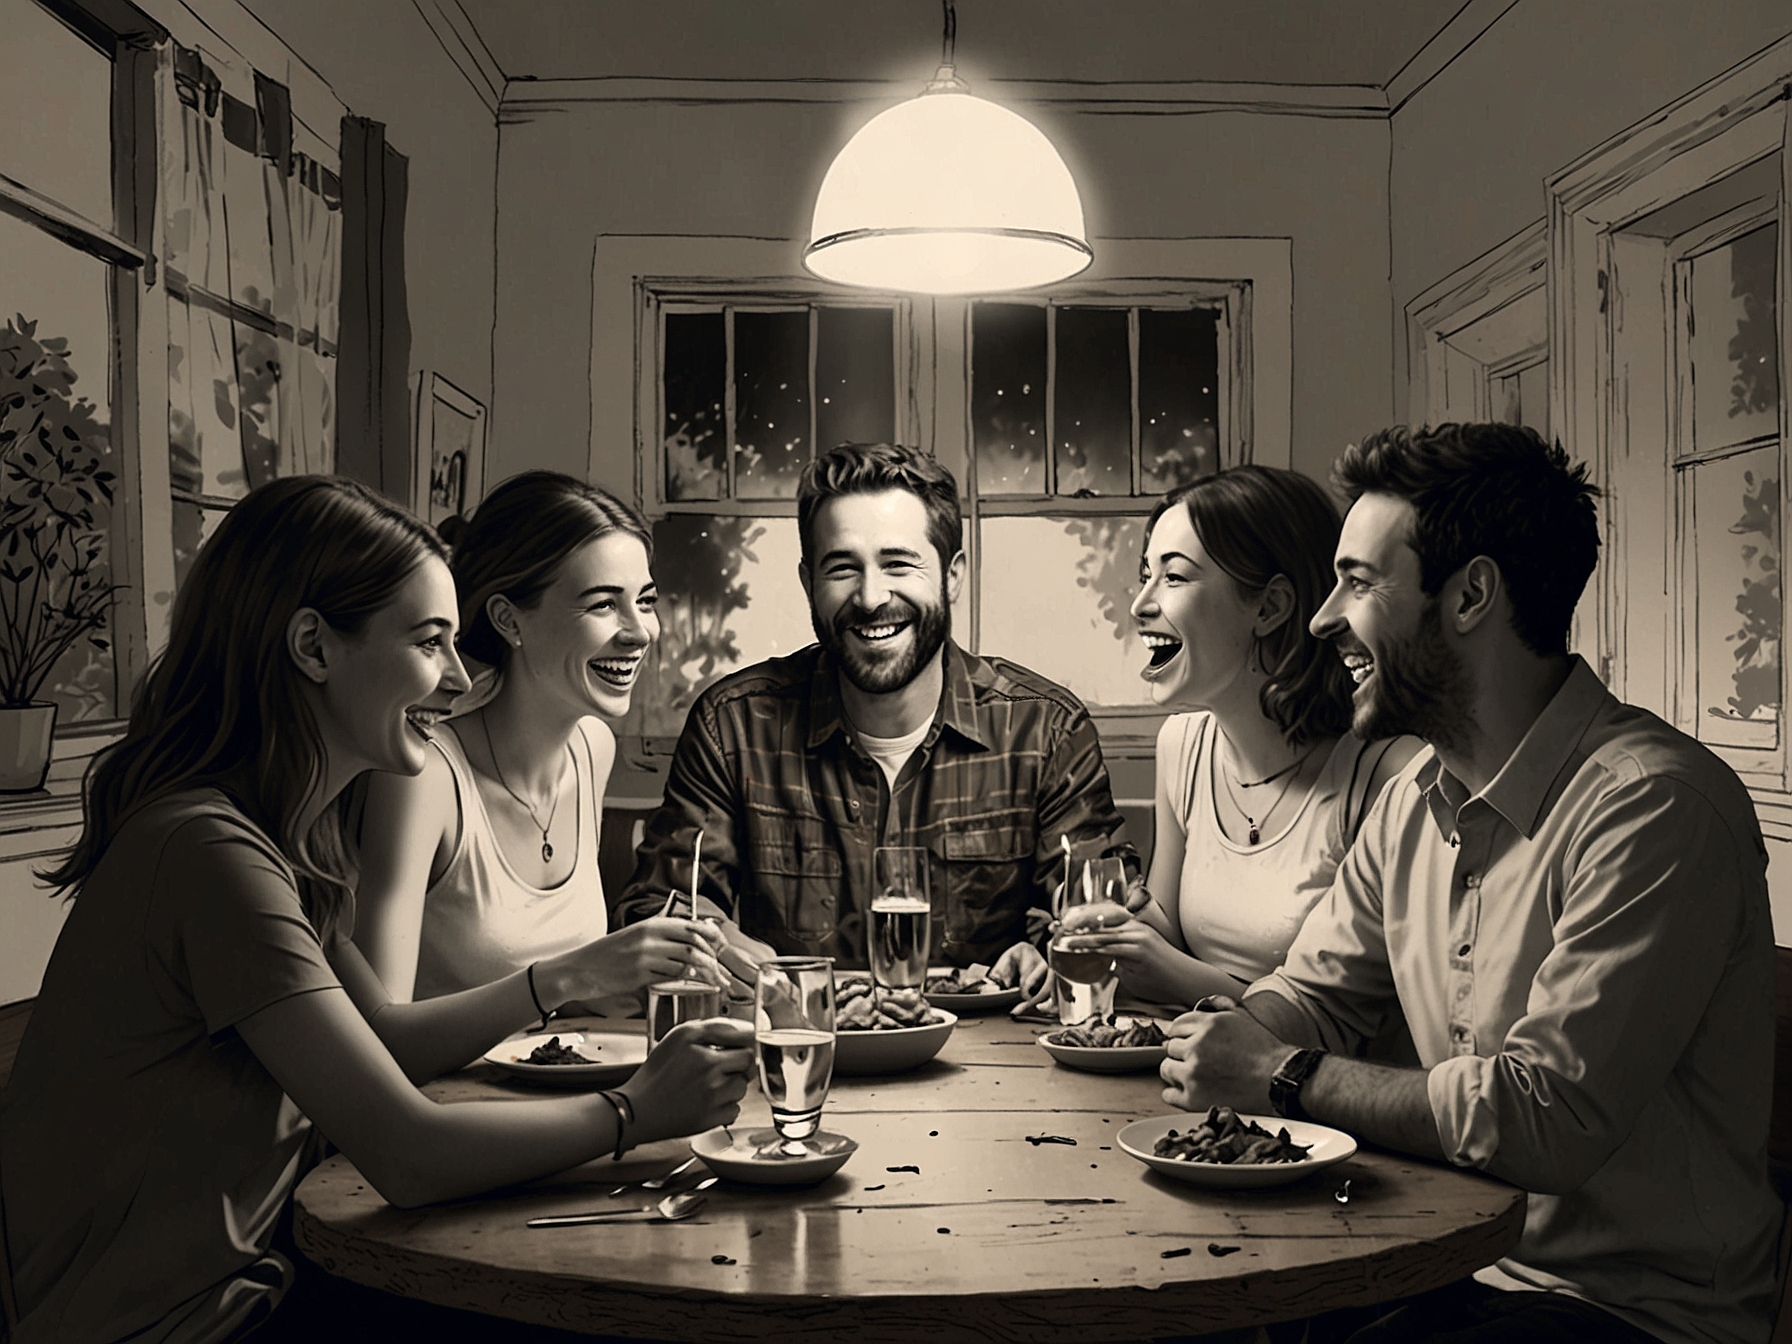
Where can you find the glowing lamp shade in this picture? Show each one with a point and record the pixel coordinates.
(948, 194)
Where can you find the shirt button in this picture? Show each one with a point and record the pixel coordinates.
(853, 804)
(1459, 1033)
(1471, 880)
(828, 901)
(1465, 949)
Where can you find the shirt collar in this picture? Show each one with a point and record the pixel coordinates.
(958, 698)
(1522, 786)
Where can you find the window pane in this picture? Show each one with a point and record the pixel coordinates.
(1736, 591)
(729, 597)
(1093, 416)
(771, 403)
(1179, 401)
(56, 100)
(56, 403)
(1056, 597)
(1008, 398)
(695, 371)
(855, 376)
(193, 527)
(1734, 348)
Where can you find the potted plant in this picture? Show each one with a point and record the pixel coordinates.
(55, 500)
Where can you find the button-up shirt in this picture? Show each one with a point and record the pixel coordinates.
(792, 807)
(1584, 953)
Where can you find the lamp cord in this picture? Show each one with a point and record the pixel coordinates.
(949, 43)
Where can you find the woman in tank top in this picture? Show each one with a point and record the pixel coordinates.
(486, 862)
(1260, 785)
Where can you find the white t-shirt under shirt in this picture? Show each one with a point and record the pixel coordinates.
(1240, 906)
(481, 921)
(892, 753)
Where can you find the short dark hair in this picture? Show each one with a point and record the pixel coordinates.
(518, 541)
(870, 468)
(1500, 491)
(1258, 522)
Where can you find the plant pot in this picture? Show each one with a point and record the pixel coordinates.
(25, 736)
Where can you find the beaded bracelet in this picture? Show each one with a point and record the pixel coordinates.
(545, 1014)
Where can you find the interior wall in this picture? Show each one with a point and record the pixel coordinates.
(573, 171)
(1541, 88)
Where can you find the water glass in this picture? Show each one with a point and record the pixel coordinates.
(675, 1001)
(793, 1027)
(1094, 896)
(901, 917)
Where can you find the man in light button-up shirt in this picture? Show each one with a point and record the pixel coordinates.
(1566, 897)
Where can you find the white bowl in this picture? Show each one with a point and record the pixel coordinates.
(754, 1157)
(1104, 1058)
(611, 1057)
(1328, 1147)
(893, 1049)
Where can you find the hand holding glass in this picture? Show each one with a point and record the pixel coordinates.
(793, 1019)
(1094, 897)
(675, 1001)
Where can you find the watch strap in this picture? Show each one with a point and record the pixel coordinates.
(1285, 1084)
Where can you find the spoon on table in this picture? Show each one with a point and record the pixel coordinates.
(658, 1182)
(669, 1210)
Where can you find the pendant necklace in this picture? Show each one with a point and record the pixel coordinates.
(547, 850)
(1254, 833)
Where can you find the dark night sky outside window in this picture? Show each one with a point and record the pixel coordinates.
(1008, 355)
(1092, 418)
(695, 369)
(771, 403)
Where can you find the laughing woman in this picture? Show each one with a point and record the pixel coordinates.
(1260, 786)
(201, 1012)
(485, 863)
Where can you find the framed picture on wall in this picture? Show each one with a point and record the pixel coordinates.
(448, 465)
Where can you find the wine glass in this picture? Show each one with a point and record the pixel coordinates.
(793, 1019)
(901, 918)
(1093, 897)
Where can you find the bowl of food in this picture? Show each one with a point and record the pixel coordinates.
(969, 989)
(1120, 1045)
(886, 1032)
(1233, 1150)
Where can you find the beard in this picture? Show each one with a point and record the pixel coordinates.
(1418, 686)
(872, 670)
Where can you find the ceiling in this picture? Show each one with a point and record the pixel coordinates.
(1361, 42)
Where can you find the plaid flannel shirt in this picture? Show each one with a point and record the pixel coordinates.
(792, 808)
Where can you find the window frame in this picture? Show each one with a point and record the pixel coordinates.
(1614, 343)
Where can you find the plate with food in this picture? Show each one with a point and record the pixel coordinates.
(969, 989)
(885, 1033)
(761, 1157)
(1233, 1150)
(1119, 1045)
(571, 1058)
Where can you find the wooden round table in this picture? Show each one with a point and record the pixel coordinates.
(992, 1238)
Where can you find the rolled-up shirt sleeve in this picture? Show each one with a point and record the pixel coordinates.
(1651, 903)
(1337, 971)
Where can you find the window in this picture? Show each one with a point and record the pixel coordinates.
(1671, 244)
(62, 265)
(1079, 413)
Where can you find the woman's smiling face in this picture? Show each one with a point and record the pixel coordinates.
(1192, 616)
(585, 641)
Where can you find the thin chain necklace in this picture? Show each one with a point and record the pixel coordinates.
(1255, 832)
(547, 849)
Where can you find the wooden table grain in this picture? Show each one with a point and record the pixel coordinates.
(992, 1239)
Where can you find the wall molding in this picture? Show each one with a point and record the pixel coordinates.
(1463, 30)
(524, 96)
(460, 39)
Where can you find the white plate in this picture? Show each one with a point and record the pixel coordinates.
(614, 1056)
(753, 1157)
(999, 1000)
(893, 1049)
(1329, 1147)
(1104, 1058)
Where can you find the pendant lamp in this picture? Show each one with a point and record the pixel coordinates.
(948, 194)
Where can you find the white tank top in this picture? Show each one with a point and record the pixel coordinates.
(1241, 905)
(481, 921)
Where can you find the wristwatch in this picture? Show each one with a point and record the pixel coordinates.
(1285, 1085)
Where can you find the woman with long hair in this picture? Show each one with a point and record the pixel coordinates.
(485, 861)
(203, 1010)
(1260, 783)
